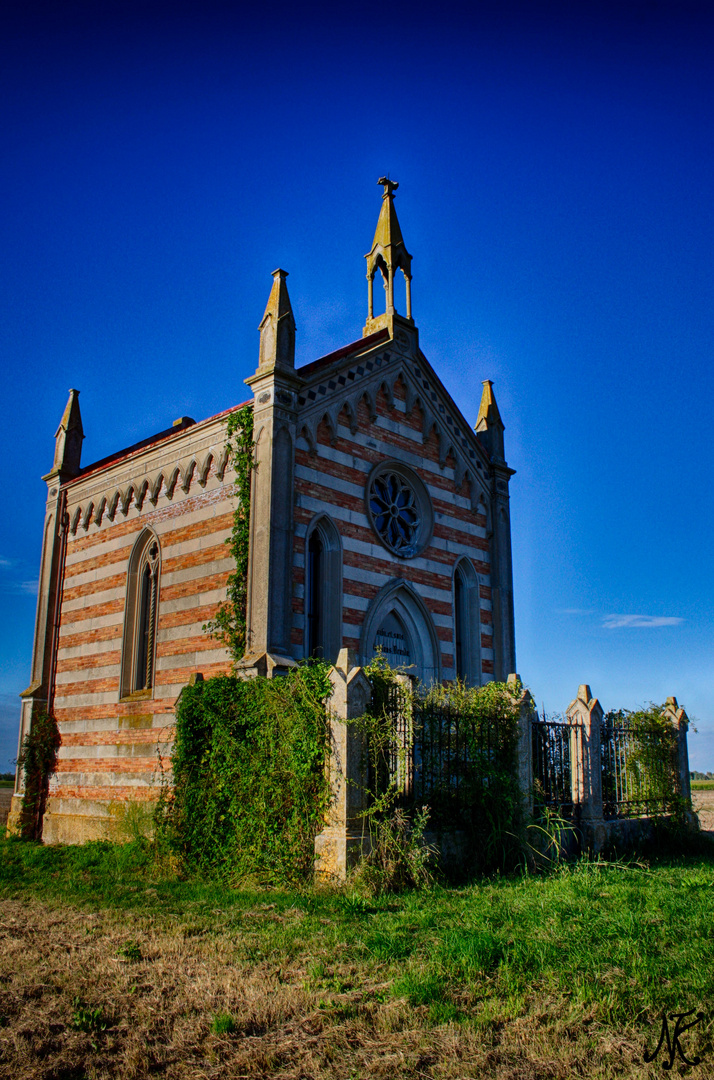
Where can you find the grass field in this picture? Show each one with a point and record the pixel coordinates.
(109, 970)
(702, 785)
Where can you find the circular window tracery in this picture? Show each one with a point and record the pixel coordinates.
(399, 509)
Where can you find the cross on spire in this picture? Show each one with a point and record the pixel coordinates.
(390, 186)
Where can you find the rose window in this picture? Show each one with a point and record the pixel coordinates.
(395, 512)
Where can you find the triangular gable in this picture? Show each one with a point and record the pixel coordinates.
(342, 379)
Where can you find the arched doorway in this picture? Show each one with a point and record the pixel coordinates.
(398, 622)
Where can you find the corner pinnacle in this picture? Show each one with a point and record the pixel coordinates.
(277, 327)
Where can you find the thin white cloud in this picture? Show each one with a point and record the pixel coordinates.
(4, 563)
(23, 588)
(639, 622)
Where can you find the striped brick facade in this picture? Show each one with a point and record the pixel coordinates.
(330, 474)
(114, 747)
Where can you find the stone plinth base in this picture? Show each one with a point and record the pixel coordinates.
(337, 851)
(75, 821)
(13, 818)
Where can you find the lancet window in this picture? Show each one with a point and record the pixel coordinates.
(323, 590)
(141, 615)
(467, 619)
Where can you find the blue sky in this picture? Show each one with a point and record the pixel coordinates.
(556, 174)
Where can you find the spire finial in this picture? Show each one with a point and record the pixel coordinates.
(389, 254)
(277, 327)
(68, 441)
(489, 423)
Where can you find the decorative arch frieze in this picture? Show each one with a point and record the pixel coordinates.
(155, 489)
(186, 473)
(371, 402)
(435, 418)
(112, 506)
(99, 512)
(203, 471)
(149, 489)
(307, 432)
(221, 462)
(330, 419)
(87, 516)
(387, 388)
(483, 506)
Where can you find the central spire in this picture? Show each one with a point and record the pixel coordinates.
(389, 254)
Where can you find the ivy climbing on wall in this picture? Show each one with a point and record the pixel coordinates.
(38, 760)
(249, 788)
(229, 623)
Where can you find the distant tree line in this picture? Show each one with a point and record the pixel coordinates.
(701, 775)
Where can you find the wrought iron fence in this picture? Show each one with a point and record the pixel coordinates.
(552, 768)
(401, 749)
(447, 758)
(640, 774)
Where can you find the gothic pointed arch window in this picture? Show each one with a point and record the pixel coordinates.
(467, 624)
(141, 616)
(323, 589)
(398, 624)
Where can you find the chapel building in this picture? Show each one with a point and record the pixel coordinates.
(379, 519)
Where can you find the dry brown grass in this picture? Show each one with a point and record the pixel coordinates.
(288, 1022)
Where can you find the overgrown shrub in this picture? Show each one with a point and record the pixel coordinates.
(38, 760)
(645, 769)
(249, 784)
(398, 856)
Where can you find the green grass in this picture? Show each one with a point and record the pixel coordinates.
(7, 783)
(702, 785)
(620, 942)
(223, 1024)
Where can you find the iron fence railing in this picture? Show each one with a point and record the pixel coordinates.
(451, 760)
(551, 743)
(447, 758)
(640, 773)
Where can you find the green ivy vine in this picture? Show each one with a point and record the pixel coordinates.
(250, 789)
(229, 622)
(38, 760)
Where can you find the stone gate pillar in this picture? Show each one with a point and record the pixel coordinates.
(339, 845)
(585, 717)
(680, 720)
(524, 701)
